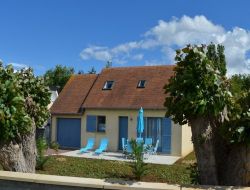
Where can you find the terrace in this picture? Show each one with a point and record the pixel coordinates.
(117, 156)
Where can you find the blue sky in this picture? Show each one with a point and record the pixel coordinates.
(82, 34)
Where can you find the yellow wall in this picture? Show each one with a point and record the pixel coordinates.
(112, 130)
(187, 145)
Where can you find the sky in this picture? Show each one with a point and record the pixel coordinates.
(86, 33)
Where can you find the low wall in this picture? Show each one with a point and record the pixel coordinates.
(24, 181)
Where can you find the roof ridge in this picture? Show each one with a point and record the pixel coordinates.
(82, 75)
(138, 67)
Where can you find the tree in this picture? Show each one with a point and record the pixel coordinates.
(239, 83)
(198, 95)
(80, 72)
(24, 99)
(238, 128)
(236, 131)
(108, 64)
(92, 70)
(58, 76)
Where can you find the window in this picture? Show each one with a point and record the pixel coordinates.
(96, 123)
(141, 84)
(108, 85)
(101, 124)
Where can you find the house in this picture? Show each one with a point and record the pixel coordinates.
(107, 104)
(53, 96)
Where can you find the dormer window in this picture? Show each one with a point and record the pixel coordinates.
(141, 84)
(108, 85)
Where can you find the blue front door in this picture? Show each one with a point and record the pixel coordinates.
(123, 130)
(69, 132)
(166, 135)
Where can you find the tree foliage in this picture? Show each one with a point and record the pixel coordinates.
(108, 64)
(58, 76)
(23, 99)
(92, 71)
(199, 86)
(237, 130)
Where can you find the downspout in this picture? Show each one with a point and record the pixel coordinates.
(81, 109)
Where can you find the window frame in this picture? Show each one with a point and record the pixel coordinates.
(97, 124)
(105, 86)
(94, 128)
(139, 82)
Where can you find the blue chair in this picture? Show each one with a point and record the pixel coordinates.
(139, 140)
(129, 149)
(148, 141)
(154, 149)
(103, 146)
(147, 145)
(124, 144)
(89, 146)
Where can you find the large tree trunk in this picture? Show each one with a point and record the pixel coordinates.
(20, 155)
(235, 168)
(203, 140)
(219, 162)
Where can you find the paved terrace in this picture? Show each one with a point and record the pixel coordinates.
(153, 159)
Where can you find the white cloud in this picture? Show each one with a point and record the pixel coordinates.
(153, 62)
(166, 36)
(18, 65)
(186, 30)
(97, 52)
(137, 57)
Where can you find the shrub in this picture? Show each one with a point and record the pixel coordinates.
(41, 159)
(55, 146)
(139, 167)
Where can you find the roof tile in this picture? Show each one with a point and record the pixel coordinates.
(73, 94)
(125, 94)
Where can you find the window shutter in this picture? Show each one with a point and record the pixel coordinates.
(91, 123)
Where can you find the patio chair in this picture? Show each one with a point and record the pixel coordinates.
(89, 146)
(124, 145)
(148, 141)
(139, 140)
(148, 144)
(103, 146)
(154, 149)
(128, 150)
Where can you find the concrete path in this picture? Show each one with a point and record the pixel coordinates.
(153, 159)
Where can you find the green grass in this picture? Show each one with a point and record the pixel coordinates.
(178, 173)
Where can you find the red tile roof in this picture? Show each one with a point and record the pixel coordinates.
(73, 94)
(124, 94)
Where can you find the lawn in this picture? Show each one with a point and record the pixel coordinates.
(179, 173)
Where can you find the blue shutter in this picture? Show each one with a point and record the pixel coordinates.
(91, 123)
(166, 135)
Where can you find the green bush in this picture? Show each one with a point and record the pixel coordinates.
(41, 158)
(55, 146)
(139, 167)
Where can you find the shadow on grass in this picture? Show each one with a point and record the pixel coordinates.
(121, 181)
